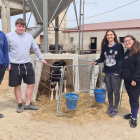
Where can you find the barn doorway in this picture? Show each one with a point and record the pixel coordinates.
(93, 44)
(121, 39)
(41, 39)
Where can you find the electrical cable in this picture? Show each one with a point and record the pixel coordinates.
(107, 11)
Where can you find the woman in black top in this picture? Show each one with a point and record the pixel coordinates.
(112, 55)
(131, 76)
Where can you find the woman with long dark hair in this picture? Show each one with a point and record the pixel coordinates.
(112, 55)
(131, 76)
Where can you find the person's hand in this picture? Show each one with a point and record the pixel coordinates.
(93, 63)
(116, 74)
(9, 68)
(44, 62)
(133, 83)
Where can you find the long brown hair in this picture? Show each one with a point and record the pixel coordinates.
(135, 47)
(105, 41)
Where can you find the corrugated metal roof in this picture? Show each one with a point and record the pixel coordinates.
(115, 25)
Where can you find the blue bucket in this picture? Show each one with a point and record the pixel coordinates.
(71, 100)
(100, 95)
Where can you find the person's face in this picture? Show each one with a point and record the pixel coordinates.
(128, 42)
(20, 29)
(110, 36)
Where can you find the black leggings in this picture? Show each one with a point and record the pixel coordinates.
(133, 93)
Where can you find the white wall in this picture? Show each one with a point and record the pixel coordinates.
(98, 34)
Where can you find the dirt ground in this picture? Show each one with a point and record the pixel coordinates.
(22, 126)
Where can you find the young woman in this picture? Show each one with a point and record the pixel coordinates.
(131, 76)
(112, 55)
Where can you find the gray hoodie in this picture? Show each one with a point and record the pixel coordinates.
(19, 47)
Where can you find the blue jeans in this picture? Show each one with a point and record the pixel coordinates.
(113, 84)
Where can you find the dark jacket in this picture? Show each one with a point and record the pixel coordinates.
(4, 57)
(112, 58)
(131, 67)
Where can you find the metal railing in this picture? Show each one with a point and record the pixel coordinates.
(73, 51)
(81, 79)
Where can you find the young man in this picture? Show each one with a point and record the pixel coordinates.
(20, 67)
(4, 57)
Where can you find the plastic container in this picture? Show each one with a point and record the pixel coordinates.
(100, 95)
(71, 100)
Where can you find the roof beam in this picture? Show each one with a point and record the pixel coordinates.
(14, 5)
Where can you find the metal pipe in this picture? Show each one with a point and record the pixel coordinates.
(52, 25)
(83, 27)
(24, 11)
(61, 28)
(60, 93)
(64, 15)
(37, 9)
(29, 19)
(100, 74)
(45, 25)
(56, 34)
(73, 50)
(122, 91)
(36, 31)
(64, 28)
(74, 4)
(80, 26)
(55, 11)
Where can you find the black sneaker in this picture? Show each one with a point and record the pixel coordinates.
(1, 115)
(128, 116)
(133, 123)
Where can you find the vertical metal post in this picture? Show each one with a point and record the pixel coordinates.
(91, 76)
(60, 91)
(24, 10)
(74, 77)
(74, 4)
(83, 27)
(45, 25)
(56, 34)
(100, 75)
(80, 26)
(122, 91)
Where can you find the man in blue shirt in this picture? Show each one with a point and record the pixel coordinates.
(4, 57)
